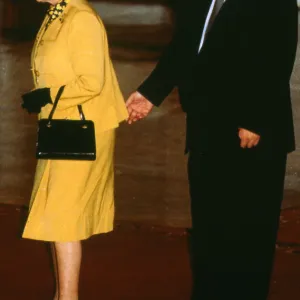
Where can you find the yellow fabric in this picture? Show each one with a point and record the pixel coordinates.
(72, 200)
(74, 51)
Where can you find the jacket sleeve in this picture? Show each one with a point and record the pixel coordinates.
(271, 46)
(162, 80)
(86, 43)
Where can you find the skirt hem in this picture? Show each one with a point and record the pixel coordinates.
(60, 240)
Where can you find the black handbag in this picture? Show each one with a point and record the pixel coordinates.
(66, 139)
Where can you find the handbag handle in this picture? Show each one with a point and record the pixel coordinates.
(59, 93)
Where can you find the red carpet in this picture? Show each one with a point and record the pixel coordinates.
(135, 262)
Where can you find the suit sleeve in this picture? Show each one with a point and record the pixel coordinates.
(162, 80)
(86, 42)
(269, 64)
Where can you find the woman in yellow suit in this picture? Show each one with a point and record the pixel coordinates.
(73, 200)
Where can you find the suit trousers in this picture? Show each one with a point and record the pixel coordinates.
(236, 199)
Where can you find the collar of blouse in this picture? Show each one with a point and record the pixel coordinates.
(55, 11)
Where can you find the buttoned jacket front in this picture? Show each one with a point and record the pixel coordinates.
(73, 51)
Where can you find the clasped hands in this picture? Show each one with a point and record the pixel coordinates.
(139, 107)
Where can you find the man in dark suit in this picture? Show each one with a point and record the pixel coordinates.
(232, 65)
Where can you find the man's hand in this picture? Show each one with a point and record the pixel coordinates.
(138, 107)
(248, 139)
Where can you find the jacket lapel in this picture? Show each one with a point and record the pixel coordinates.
(53, 30)
(49, 34)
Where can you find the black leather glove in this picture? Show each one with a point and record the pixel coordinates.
(35, 100)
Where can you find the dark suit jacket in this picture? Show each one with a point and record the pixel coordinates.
(240, 78)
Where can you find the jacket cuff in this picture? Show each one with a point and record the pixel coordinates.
(151, 94)
(255, 128)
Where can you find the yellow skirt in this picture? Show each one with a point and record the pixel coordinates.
(73, 200)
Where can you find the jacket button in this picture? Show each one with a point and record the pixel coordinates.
(37, 73)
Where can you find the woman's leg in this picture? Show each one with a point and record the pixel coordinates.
(68, 258)
(54, 258)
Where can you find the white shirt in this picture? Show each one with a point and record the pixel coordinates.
(212, 13)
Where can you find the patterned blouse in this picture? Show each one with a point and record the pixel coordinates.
(56, 11)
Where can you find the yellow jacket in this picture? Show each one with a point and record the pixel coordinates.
(73, 51)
